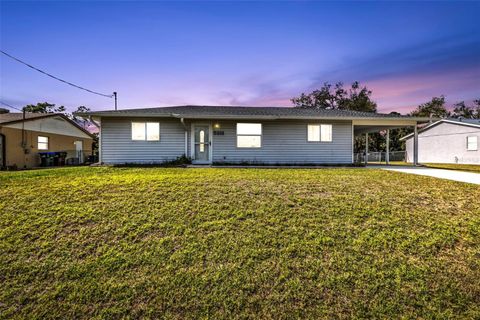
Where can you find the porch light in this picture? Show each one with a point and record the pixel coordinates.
(216, 126)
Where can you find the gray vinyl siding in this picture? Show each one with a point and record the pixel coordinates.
(285, 142)
(117, 145)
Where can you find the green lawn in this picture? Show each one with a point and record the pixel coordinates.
(237, 243)
(450, 166)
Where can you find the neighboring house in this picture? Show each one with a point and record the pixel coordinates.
(216, 134)
(447, 141)
(21, 140)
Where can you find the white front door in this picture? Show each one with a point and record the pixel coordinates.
(201, 143)
(79, 150)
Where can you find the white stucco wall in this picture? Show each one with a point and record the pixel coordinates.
(445, 143)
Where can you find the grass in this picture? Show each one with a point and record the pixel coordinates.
(452, 166)
(237, 243)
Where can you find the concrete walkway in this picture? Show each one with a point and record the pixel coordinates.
(462, 176)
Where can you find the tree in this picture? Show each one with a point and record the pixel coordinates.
(461, 110)
(476, 107)
(43, 107)
(83, 109)
(323, 98)
(356, 98)
(434, 108)
(3, 110)
(85, 123)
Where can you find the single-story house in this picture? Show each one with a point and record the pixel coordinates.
(447, 141)
(26, 140)
(223, 134)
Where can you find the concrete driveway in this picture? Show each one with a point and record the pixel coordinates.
(462, 176)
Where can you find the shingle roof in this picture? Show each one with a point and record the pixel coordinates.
(17, 116)
(192, 111)
(471, 121)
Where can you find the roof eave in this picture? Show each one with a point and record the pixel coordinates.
(250, 117)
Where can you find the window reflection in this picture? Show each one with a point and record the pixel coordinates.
(202, 141)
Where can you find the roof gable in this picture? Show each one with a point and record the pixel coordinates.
(468, 123)
(14, 120)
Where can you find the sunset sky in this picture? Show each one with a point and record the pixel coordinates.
(238, 53)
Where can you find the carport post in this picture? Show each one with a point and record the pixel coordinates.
(387, 154)
(366, 148)
(415, 145)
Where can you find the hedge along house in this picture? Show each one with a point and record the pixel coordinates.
(23, 137)
(254, 135)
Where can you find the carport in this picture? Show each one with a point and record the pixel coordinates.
(365, 126)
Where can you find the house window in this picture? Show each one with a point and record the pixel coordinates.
(153, 131)
(326, 132)
(472, 143)
(313, 132)
(249, 135)
(42, 143)
(319, 132)
(149, 131)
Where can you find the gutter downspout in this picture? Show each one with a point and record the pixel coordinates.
(182, 121)
(94, 122)
(99, 138)
(24, 141)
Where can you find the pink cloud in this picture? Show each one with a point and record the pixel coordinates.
(406, 92)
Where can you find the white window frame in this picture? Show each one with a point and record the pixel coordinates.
(249, 135)
(38, 143)
(145, 134)
(320, 125)
(476, 143)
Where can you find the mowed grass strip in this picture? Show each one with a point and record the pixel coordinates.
(452, 166)
(237, 243)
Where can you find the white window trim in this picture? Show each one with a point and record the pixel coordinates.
(476, 146)
(320, 130)
(48, 143)
(146, 132)
(249, 135)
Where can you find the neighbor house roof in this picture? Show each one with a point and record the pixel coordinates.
(15, 117)
(461, 122)
(237, 112)
(18, 116)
